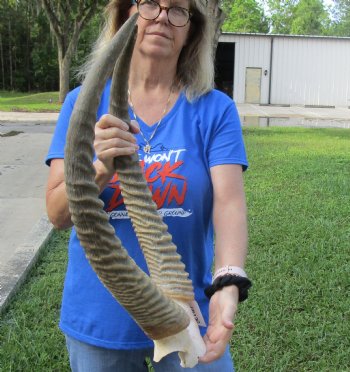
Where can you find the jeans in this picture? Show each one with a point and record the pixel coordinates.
(88, 358)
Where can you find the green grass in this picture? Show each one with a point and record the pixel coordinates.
(298, 313)
(29, 336)
(298, 192)
(29, 102)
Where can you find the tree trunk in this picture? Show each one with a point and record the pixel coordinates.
(64, 64)
(67, 26)
(10, 56)
(27, 55)
(218, 17)
(2, 64)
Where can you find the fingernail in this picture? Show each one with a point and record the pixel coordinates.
(135, 124)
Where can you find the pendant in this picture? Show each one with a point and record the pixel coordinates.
(147, 148)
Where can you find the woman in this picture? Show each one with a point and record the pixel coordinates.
(190, 145)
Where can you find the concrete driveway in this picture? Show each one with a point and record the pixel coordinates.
(23, 175)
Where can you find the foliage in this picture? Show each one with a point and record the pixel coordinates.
(245, 16)
(281, 15)
(86, 41)
(28, 50)
(28, 46)
(43, 56)
(67, 20)
(341, 13)
(297, 314)
(310, 18)
(15, 44)
(299, 17)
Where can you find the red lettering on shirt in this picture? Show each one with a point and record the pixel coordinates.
(162, 195)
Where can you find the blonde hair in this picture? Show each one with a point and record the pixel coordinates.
(195, 69)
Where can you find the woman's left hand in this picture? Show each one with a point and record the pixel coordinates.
(222, 310)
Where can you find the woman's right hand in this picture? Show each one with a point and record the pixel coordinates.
(112, 139)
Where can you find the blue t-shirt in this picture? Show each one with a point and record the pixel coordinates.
(192, 138)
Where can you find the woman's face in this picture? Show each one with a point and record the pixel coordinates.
(158, 38)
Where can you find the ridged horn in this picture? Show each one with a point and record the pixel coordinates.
(155, 313)
(163, 261)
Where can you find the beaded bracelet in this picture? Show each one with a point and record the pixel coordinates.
(242, 283)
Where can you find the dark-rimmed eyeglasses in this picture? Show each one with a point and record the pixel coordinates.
(150, 10)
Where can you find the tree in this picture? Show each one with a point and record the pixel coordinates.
(341, 14)
(44, 61)
(310, 18)
(29, 48)
(67, 20)
(281, 15)
(245, 16)
(15, 45)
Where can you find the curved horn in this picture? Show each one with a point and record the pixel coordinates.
(164, 263)
(169, 323)
(157, 315)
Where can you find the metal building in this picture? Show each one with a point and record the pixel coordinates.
(284, 69)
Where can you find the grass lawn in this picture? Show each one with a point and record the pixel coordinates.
(29, 102)
(298, 314)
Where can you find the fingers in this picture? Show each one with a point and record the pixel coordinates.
(216, 340)
(222, 311)
(110, 148)
(109, 127)
(135, 128)
(112, 138)
(209, 357)
(214, 349)
(107, 121)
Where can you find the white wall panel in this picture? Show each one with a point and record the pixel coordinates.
(311, 71)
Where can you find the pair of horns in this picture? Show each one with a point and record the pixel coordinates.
(157, 304)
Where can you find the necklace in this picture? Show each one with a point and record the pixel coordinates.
(147, 148)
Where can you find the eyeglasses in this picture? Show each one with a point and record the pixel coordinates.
(150, 10)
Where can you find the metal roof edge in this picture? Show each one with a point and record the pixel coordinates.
(227, 34)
